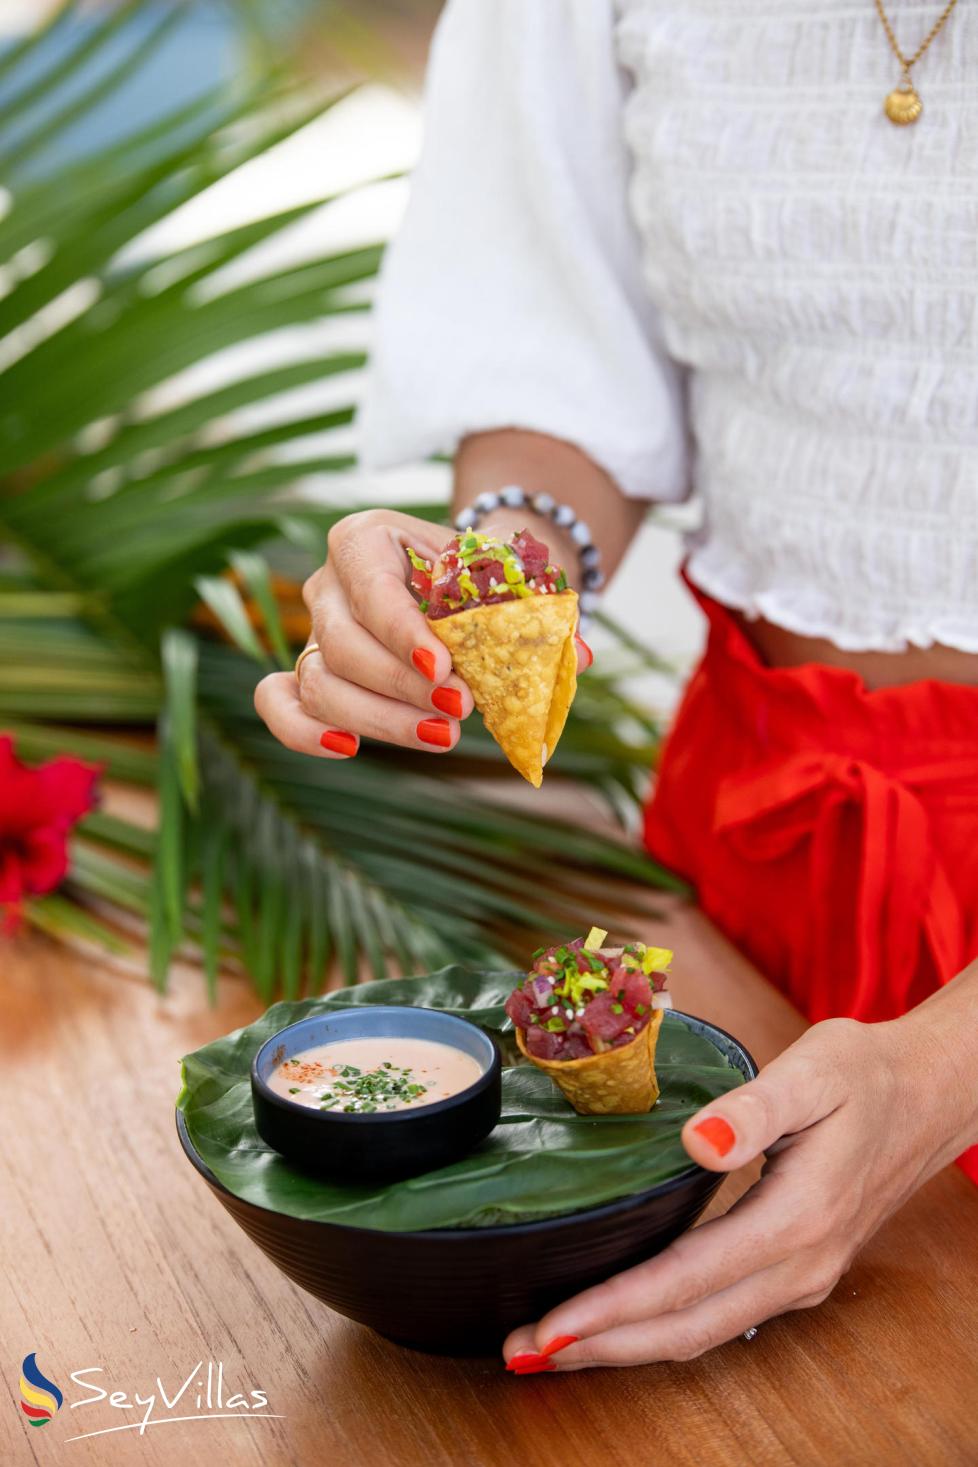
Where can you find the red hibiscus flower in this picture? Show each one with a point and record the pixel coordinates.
(38, 807)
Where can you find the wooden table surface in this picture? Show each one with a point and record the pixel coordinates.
(117, 1261)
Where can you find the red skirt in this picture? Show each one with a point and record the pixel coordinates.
(830, 832)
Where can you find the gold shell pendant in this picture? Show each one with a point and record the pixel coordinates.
(903, 106)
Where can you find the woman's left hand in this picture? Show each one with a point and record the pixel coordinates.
(852, 1124)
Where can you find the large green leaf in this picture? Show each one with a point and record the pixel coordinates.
(543, 1159)
(62, 919)
(16, 53)
(52, 127)
(125, 496)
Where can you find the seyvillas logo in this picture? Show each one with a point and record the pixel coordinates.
(202, 1395)
(40, 1398)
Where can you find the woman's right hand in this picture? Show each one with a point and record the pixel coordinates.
(380, 671)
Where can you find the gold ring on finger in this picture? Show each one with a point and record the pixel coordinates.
(313, 647)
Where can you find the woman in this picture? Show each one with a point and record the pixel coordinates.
(653, 246)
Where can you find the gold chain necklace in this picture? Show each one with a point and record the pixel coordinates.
(904, 105)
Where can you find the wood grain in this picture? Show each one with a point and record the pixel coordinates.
(115, 1256)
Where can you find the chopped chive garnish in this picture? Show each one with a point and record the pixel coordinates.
(361, 1093)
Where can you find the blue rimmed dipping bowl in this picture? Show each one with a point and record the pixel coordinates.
(380, 1145)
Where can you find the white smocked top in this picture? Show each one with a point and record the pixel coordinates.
(683, 235)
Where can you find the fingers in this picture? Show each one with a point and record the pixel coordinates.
(333, 701)
(584, 654)
(795, 1090)
(520, 1342)
(751, 1236)
(278, 705)
(327, 716)
(379, 663)
(351, 654)
(783, 1246)
(686, 1333)
(770, 1253)
(367, 555)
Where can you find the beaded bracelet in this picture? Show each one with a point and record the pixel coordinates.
(563, 515)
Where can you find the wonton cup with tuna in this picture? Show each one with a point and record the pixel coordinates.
(507, 616)
(589, 1016)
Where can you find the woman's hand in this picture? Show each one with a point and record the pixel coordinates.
(380, 671)
(852, 1122)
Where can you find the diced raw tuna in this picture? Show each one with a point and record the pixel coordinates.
(532, 553)
(599, 1020)
(483, 561)
(486, 572)
(421, 582)
(541, 1043)
(575, 1046)
(637, 990)
(519, 1006)
(592, 1023)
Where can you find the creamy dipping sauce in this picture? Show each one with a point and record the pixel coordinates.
(363, 1076)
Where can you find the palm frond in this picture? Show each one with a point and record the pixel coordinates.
(139, 531)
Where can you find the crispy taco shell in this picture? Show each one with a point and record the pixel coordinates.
(518, 658)
(618, 1082)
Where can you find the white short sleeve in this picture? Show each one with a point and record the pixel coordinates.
(512, 295)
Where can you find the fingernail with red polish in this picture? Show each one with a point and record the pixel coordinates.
(583, 647)
(339, 742)
(424, 661)
(718, 1133)
(559, 1342)
(448, 700)
(522, 1357)
(529, 1364)
(435, 731)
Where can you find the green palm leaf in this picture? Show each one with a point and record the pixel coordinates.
(119, 516)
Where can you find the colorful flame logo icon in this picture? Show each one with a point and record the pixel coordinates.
(39, 1397)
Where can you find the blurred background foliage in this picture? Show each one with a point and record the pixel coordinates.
(166, 483)
(364, 38)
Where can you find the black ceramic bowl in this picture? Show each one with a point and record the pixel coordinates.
(460, 1291)
(381, 1145)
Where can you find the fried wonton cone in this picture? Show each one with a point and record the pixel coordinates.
(617, 1082)
(518, 658)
